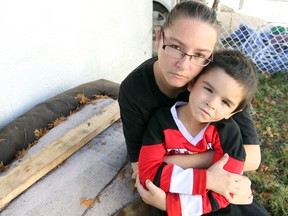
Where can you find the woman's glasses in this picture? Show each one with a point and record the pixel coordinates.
(179, 54)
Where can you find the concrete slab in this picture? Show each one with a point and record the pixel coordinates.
(90, 174)
(117, 195)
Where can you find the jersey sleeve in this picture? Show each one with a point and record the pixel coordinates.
(247, 127)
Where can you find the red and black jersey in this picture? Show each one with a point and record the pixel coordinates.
(186, 188)
(139, 98)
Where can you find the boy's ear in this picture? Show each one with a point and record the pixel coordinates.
(231, 114)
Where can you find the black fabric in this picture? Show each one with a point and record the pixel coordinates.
(157, 178)
(20, 133)
(248, 129)
(140, 97)
(213, 201)
(253, 209)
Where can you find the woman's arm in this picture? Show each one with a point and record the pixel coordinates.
(250, 139)
(253, 157)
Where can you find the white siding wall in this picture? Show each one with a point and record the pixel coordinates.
(49, 46)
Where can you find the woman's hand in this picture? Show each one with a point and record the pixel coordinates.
(153, 196)
(244, 196)
(135, 170)
(225, 183)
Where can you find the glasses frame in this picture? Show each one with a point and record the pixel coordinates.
(186, 54)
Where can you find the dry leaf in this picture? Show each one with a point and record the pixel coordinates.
(122, 174)
(40, 132)
(87, 202)
(82, 99)
(269, 131)
(286, 135)
(96, 97)
(263, 168)
(267, 100)
(57, 122)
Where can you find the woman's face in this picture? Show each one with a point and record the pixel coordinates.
(190, 36)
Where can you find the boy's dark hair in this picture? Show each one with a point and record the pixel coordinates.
(240, 68)
(193, 10)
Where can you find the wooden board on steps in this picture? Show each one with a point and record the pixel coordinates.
(39, 164)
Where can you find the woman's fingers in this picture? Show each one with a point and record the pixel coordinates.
(153, 196)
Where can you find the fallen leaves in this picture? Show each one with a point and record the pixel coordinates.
(82, 99)
(269, 131)
(38, 133)
(3, 167)
(87, 202)
(57, 122)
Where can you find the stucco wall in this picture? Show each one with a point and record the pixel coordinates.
(49, 46)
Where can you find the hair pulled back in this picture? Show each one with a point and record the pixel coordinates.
(193, 10)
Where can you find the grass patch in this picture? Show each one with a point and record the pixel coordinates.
(270, 115)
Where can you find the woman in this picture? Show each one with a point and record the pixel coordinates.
(185, 45)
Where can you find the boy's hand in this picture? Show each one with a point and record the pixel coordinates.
(153, 196)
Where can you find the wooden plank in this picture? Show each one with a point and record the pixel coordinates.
(39, 164)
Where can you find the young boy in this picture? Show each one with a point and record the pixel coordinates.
(223, 88)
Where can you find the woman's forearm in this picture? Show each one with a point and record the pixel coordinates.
(253, 157)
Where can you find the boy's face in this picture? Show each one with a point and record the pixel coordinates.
(214, 96)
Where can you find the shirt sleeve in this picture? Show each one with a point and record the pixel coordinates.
(132, 121)
(183, 204)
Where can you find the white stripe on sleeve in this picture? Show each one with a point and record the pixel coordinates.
(191, 205)
(181, 180)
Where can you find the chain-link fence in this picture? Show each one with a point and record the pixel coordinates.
(264, 42)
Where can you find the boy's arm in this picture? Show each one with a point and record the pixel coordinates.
(169, 177)
(198, 205)
(201, 160)
(156, 197)
(205, 160)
